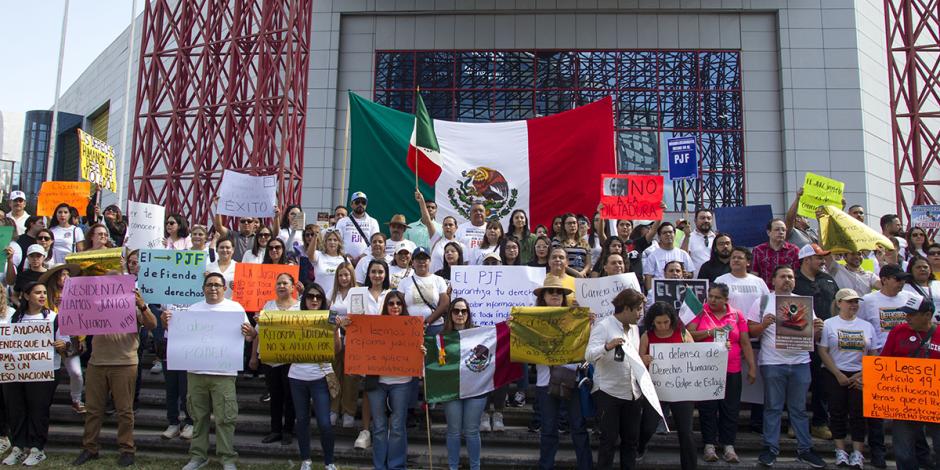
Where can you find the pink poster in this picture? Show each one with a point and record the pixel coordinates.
(96, 305)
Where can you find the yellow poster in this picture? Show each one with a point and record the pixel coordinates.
(97, 161)
(304, 336)
(549, 335)
(819, 191)
(97, 262)
(842, 233)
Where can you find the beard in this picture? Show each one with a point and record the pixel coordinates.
(705, 227)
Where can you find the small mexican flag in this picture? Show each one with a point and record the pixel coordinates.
(475, 361)
(691, 307)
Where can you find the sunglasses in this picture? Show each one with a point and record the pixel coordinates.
(554, 291)
(314, 296)
(246, 221)
(394, 303)
(260, 235)
(43, 239)
(171, 222)
(276, 248)
(359, 202)
(460, 311)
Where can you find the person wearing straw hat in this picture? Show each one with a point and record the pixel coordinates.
(54, 280)
(396, 230)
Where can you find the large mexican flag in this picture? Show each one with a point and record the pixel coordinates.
(475, 361)
(546, 166)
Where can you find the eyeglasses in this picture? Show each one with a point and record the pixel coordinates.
(460, 311)
(43, 239)
(359, 202)
(933, 253)
(213, 286)
(276, 248)
(262, 235)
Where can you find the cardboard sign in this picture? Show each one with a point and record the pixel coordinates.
(385, 345)
(672, 291)
(597, 293)
(901, 388)
(794, 317)
(171, 276)
(925, 216)
(244, 195)
(6, 236)
(842, 233)
(26, 352)
(97, 305)
(683, 158)
(689, 371)
(97, 262)
(632, 197)
(53, 193)
(295, 337)
(205, 341)
(492, 290)
(144, 225)
(747, 225)
(549, 335)
(819, 191)
(254, 283)
(96, 158)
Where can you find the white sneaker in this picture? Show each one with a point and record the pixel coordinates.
(519, 398)
(157, 367)
(36, 457)
(4, 444)
(16, 457)
(229, 466)
(348, 421)
(196, 463)
(330, 467)
(187, 432)
(842, 458)
(333, 417)
(498, 422)
(172, 431)
(306, 465)
(364, 441)
(856, 460)
(485, 422)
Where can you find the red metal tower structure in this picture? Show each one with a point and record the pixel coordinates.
(222, 84)
(913, 42)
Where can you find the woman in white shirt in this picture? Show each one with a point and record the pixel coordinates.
(256, 254)
(426, 293)
(290, 236)
(343, 281)
(66, 236)
(176, 233)
(922, 283)
(225, 265)
(492, 239)
(325, 262)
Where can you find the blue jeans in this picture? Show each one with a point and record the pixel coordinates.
(907, 435)
(786, 384)
(551, 408)
(175, 381)
(390, 440)
(463, 417)
(302, 391)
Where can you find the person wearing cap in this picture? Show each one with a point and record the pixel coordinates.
(396, 230)
(33, 269)
(917, 337)
(357, 227)
(425, 293)
(845, 340)
(400, 266)
(774, 252)
(492, 259)
(421, 231)
(54, 280)
(18, 211)
(34, 224)
(812, 281)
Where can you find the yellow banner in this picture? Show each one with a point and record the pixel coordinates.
(304, 336)
(842, 233)
(549, 335)
(819, 191)
(97, 262)
(97, 161)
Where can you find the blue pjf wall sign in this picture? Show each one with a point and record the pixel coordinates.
(683, 158)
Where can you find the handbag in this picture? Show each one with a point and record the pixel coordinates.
(562, 382)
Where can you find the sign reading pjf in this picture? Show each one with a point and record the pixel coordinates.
(98, 305)
(246, 195)
(632, 197)
(171, 276)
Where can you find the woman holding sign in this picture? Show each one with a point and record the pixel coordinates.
(67, 236)
(463, 414)
(54, 280)
(176, 233)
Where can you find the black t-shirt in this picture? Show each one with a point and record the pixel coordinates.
(822, 290)
(25, 277)
(712, 269)
(536, 264)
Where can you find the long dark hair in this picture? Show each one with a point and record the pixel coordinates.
(658, 309)
(502, 251)
(182, 231)
(256, 246)
(385, 283)
(485, 243)
(324, 303)
(551, 229)
(511, 227)
(267, 252)
(449, 318)
(718, 235)
(445, 271)
(540, 301)
(285, 218)
(23, 308)
(54, 220)
(398, 295)
(605, 252)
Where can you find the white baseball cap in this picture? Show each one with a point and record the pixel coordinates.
(405, 245)
(17, 195)
(35, 248)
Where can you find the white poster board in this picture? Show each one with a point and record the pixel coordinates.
(244, 195)
(26, 352)
(206, 341)
(144, 225)
(493, 290)
(689, 371)
(597, 293)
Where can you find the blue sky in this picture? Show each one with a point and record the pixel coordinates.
(29, 45)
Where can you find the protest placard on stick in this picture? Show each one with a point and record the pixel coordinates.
(632, 196)
(205, 341)
(96, 262)
(819, 191)
(244, 195)
(384, 345)
(549, 335)
(97, 162)
(304, 336)
(53, 193)
(171, 276)
(492, 290)
(689, 371)
(901, 388)
(26, 352)
(926, 216)
(254, 283)
(96, 305)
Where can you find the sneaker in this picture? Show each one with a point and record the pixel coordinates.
(821, 432)
(187, 432)
(331, 466)
(518, 399)
(730, 455)
(811, 459)
(348, 421)
(265, 397)
(229, 466)
(710, 455)
(272, 437)
(84, 458)
(856, 460)
(16, 457)
(172, 431)
(485, 422)
(767, 458)
(498, 425)
(306, 465)
(4, 444)
(157, 367)
(79, 407)
(364, 441)
(842, 458)
(126, 459)
(36, 457)
(196, 463)
(333, 417)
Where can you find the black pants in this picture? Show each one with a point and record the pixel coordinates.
(819, 399)
(282, 406)
(27, 409)
(719, 418)
(617, 417)
(682, 423)
(845, 408)
(4, 427)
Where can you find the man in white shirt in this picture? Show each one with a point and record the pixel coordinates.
(396, 230)
(698, 243)
(471, 233)
(883, 308)
(851, 275)
(18, 211)
(357, 227)
(655, 261)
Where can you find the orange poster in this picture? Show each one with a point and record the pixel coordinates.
(254, 283)
(385, 345)
(901, 388)
(53, 193)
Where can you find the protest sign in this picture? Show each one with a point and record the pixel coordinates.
(819, 191)
(26, 352)
(632, 196)
(144, 225)
(492, 290)
(549, 335)
(751, 392)
(747, 225)
(901, 388)
(295, 336)
(597, 293)
(254, 283)
(244, 195)
(53, 193)
(171, 276)
(96, 159)
(925, 216)
(689, 371)
(357, 301)
(6, 236)
(672, 291)
(97, 305)
(794, 317)
(842, 233)
(96, 262)
(205, 341)
(384, 345)
(683, 158)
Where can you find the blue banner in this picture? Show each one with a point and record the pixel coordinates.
(171, 276)
(683, 158)
(747, 225)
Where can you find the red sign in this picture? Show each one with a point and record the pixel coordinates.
(632, 197)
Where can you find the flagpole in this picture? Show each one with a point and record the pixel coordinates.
(345, 153)
(416, 176)
(427, 421)
(50, 161)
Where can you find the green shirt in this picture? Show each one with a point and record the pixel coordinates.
(418, 233)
